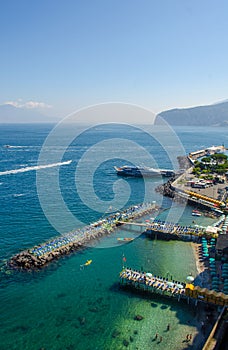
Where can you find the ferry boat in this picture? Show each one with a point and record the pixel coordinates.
(138, 171)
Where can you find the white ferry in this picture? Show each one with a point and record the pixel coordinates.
(138, 171)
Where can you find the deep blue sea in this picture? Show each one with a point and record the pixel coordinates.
(63, 307)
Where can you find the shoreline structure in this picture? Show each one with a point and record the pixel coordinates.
(39, 256)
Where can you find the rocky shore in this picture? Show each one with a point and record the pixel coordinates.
(39, 256)
(166, 188)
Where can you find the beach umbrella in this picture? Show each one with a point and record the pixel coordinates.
(213, 274)
(170, 284)
(148, 274)
(214, 280)
(225, 273)
(190, 278)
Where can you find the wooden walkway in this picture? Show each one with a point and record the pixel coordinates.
(158, 226)
(150, 283)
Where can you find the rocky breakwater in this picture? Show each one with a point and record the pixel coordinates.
(166, 189)
(41, 255)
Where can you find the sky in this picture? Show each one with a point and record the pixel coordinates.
(58, 56)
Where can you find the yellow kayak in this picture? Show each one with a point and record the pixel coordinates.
(88, 262)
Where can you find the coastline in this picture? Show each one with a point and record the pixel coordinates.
(203, 278)
(206, 315)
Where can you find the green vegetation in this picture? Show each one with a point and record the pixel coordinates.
(215, 164)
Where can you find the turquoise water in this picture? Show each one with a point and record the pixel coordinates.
(63, 307)
(49, 308)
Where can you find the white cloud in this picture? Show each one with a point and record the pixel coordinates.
(29, 104)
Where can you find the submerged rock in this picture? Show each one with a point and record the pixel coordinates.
(125, 342)
(138, 318)
(93, 309)
(115, 333)
(82, 320)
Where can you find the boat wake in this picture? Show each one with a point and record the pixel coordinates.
(36, 167)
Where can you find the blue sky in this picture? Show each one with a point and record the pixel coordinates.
(69, 54)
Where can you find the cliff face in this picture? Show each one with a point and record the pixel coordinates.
(212, 115)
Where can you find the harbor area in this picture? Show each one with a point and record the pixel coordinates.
(206, 180)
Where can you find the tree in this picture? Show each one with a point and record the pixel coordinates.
(206, 159)
(219, 158)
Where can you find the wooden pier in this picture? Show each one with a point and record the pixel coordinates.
(170, 231)
(173, 231)
(147, 282)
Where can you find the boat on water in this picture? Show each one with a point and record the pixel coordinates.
(124, 239)
(196, 213)
(87, 263)
(140, 171)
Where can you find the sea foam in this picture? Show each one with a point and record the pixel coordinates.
(36, 167)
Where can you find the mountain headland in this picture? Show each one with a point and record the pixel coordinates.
(210, 115)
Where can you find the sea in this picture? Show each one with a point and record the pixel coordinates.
(65, 306)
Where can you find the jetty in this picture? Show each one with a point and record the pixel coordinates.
(42, 254)
(149, 283)
(170, 231)
(173, 231)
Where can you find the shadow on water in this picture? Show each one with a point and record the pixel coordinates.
(203, 317)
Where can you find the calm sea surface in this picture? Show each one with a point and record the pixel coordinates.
(63, 307)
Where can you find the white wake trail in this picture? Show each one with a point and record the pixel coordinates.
(36, 167)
